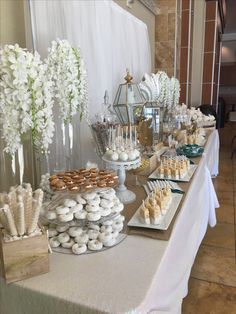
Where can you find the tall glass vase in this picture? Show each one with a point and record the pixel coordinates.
(18, 168)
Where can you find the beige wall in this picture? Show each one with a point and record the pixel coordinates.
(12, 28)
(145, 15)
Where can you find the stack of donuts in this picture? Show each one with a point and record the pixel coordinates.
(88, 221)
(82, 180)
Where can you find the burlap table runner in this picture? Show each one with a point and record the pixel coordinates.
(130, 209)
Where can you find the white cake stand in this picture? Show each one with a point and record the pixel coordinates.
(125, 196)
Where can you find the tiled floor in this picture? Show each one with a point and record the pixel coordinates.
(212, 285)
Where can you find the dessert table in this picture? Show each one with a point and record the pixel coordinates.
(140, 275)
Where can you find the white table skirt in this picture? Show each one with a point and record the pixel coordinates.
(140, 275)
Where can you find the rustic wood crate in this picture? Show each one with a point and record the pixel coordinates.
(24, 258)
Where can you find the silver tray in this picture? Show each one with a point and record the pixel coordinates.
(186, 178)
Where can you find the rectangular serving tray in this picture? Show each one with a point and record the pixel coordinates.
(186, 178)
(166, 219)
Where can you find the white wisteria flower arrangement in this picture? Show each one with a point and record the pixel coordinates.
(26, 98)
(66, 69)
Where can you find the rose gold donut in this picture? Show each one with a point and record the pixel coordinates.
(53, 178)
(74, 188)
(101, 184)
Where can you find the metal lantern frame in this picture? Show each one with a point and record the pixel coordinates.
(153, 110)
(127, 111)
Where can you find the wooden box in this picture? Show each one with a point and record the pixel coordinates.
(24, 258)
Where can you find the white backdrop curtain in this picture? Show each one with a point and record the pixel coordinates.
(111, 40)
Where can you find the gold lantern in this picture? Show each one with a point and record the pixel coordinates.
(128, 103)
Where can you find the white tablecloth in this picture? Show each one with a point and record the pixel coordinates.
(140, 275)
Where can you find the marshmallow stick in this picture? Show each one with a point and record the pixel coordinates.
(135, 136)
(20, 221)
(35, 216)
(10, 220)
(37, 204)
(3, 220)
(28, 206)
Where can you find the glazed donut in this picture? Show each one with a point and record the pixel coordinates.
(105, 211)
(76, 208)
(52, 232)
(93, 234)
(65, 218)
(81, 214)
(110, 242)
(89, 196)
(79, 248)
(93, 216)
(62, 210)
(106, 203)
(51, 215)
(69, 244)
(105, 236)
(106, 228)
(95, 245)
(83, 238)
(94, 227)
(107, 223)
(63, 237)
(75, 231)
(54, 242)
(91, 208)
(69, 202)
(62, 227)
(80, 200)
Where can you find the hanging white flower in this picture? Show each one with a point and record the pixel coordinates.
(25, 94)
(164, 88)
(66, 69)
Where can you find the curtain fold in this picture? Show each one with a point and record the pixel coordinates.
(111, 40)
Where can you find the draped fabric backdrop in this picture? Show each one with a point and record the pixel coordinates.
(110, 39)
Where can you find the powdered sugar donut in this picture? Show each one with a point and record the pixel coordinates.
(54, 242)
(62, 227)
(94, 216)
(69, 202)
(75, 231)
(120, 218)
(62, 210)
(118, 208)
(105, 211)
(110, 242)
(69, 244)
(51, 215)
(93, 226)
(106, 203)
(94, 202)
(79, 248)
(76, 208)
(106, 228)
(89, 196)
(107, 223)
(65, 218)
(52, 232)
(95, 245)
(81, 214)
(93, 234)
(80, 199)
(73, 223)
(83, 238)
(63, 237)
(117, 226)
(115, 234)
(91, 208)
(105, 236)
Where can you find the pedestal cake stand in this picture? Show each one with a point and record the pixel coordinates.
(125, 196)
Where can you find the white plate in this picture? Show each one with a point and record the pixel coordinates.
(186, 178)
(166, 219)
